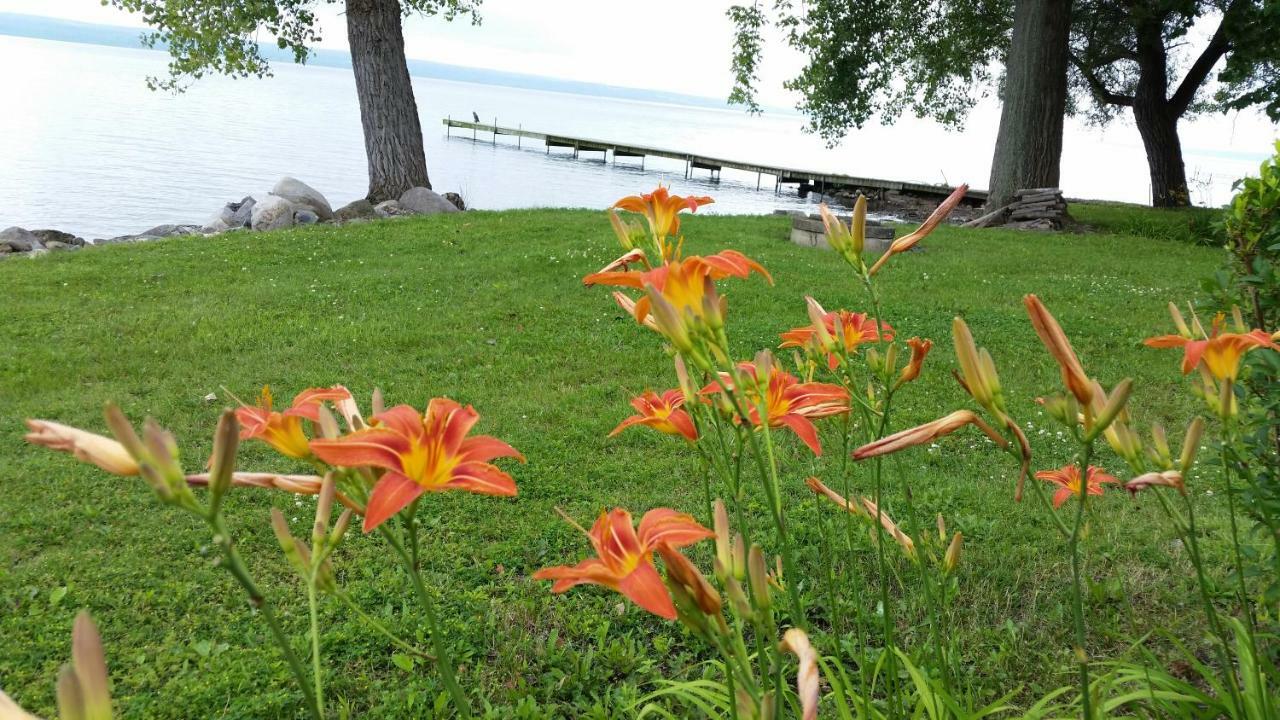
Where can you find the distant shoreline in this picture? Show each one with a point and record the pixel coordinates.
(42, 28)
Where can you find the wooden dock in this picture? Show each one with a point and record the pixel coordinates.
(807, 180)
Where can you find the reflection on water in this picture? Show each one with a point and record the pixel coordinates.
(85, 147)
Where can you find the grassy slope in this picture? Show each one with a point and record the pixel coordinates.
(489, 309)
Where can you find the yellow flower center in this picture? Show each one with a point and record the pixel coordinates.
(428, 465)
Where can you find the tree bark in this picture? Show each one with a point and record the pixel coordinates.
(1028, 150)
(388, 111)
(1159, 130)
(1157, 117)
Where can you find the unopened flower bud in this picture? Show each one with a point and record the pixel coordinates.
(758, 577)
(1159, 450)
(738, 598)
(1190, 444)
(226, 441)
(952, 558)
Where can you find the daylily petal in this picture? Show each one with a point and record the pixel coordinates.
(485, 448)
(664, 526)
(391, 495)
(645, 588)
(482, 478)
(805, 430)
(375, 447)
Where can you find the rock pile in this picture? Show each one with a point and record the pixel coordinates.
(291, 202)
(1031, 209)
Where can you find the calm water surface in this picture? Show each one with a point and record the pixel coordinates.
(85, 147)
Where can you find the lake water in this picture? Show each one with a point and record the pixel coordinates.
(85, 147)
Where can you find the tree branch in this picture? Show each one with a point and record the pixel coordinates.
(1100, 90)
(1199, 71)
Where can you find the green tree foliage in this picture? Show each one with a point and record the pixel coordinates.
(880, 58)
(936, 59)
(224, 36)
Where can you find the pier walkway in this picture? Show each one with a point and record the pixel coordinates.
(807, 180)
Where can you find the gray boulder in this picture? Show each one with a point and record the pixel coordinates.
(20, 240)
(303, 195)
(242, 212)
(389, 208)
(215, 226)
(272, 213)
(168, 230)
(421, 201)
(48, 237)
(361, 208)
(305, 217)
(456, 199)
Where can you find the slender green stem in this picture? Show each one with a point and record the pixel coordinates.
(768, 466)
(317, 669)
(1077, 593)
(234, 564)
(1187, 533)
(444, 664)
(382, 629)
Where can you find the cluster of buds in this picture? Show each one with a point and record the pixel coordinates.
(735, 566)
(1167, 472)
(312, 562)
(850, 240)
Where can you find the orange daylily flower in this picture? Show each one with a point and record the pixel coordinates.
(624, 558)
(906, 242)
(1050, 332)
(1068, 481)
(919, 349)
(1221, 353)
(851, 328)
(927, 432)
(661, 209)
(662, 413)
(283, 430)
(420, 454)
(85, 446)
(683, 292)
(789, 402)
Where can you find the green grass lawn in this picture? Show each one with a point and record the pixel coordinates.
(489, 309)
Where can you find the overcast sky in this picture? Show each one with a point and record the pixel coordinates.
(677, 45)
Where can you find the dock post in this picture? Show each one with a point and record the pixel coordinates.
(519, 136)
(495, 130)
(641, 163)
(448, 127)
(473, 132)
(757, 180)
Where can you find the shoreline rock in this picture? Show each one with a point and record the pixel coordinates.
(290, 203)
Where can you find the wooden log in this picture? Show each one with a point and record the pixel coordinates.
(992, 218)
(1040, 198)
(1039, 206)
(1034, 216)
(1035, 191)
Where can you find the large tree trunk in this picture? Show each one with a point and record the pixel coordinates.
(388, 112)
(1157, 118)
(1029, 144)
(1159, 130)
